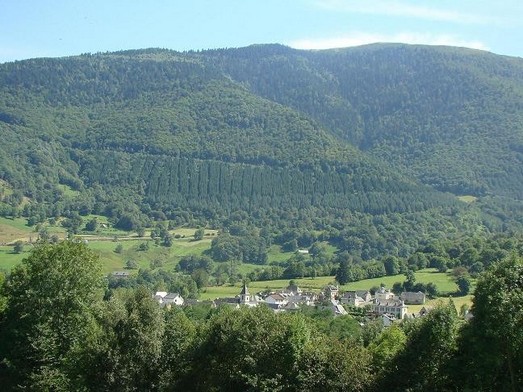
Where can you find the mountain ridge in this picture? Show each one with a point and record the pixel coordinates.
(267, 129)
(460, 101)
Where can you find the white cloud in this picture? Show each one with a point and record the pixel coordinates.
(362, 38)
(406, 9)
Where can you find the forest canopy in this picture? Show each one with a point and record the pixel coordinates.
(81, 337)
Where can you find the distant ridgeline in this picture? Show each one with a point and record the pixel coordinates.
(380, 129)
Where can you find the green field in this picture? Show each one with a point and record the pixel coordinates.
(276, 255)
(14, 229)
(220, 292)
(8, 259)
(113, 261)
(245, 268)
(443, 282)
(104, 242)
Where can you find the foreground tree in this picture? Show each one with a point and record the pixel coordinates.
(48, 316)
(386, 346)
(492, 343)
(257, 350)
(424, 361)
(251, 349)
(125, 355)
(334, 365)
(178, 342)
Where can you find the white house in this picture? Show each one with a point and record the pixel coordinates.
(330, 291)
(383, 295)
(395, 307)
(168, 299)
(356, 298)
(173, 299)
(276, 299)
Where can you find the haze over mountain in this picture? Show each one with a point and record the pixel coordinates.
(332, 139)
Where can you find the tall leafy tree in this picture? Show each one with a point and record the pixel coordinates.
(343, 273)
(48, 316)
(464, 284)
(424, 362)
(251, 349)
(492, 343)
(177, 346)
(126, 355)
(333, 365)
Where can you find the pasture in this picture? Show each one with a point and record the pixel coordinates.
(12, 230)
(443, 281)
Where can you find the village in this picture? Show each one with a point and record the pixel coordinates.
(382, 304)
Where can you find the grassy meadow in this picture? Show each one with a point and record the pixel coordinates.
(106, 240)
(443, 281)
(113, 261)
(12, 230)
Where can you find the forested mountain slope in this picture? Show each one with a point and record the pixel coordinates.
(332, 141)
(452, 117)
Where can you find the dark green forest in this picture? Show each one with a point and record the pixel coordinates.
(63, 329)
(366, 147)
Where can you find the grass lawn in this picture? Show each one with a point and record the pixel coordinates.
(443, 281)
(220, 292)
(188, 232)
(16, 223)
(12, 230)
(460, 301)
(245, 268)
(8, 259)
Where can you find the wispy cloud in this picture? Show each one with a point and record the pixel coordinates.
(406, 9)
(363, 38)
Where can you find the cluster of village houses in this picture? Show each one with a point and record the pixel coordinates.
(383, 303)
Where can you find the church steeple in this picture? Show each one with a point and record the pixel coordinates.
(245, 297)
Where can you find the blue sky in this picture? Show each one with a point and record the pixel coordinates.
(52, 28)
